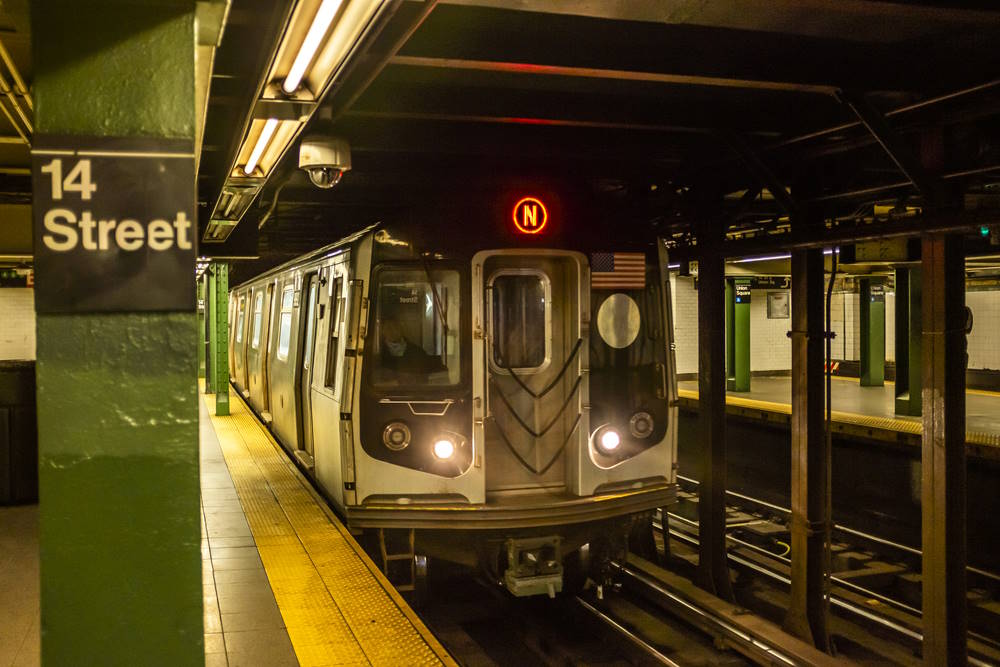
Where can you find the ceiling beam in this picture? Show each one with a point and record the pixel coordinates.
(612, 74)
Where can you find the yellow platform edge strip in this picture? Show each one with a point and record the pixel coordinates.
(868, 421)
(309, 629)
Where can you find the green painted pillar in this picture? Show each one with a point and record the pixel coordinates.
(202, 324)
(872, 333)
(117, 395)
(210, 324)
(908, 342)
(219, 340)
(738, 327)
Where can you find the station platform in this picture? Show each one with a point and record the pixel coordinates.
(864, 412)
(285, 582)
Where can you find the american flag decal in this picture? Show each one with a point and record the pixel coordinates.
(618, 270)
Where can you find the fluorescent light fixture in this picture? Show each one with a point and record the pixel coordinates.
(320, 25)
(766, 258)
(265, 137)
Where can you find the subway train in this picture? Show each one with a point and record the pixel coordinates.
(502, 399)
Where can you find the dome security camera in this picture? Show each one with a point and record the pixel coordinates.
(325, 159)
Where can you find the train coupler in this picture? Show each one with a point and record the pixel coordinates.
(534, 566)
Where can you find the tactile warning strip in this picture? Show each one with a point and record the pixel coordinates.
(912, 427)
(337, 606)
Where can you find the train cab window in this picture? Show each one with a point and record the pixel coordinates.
(285, 321)
(334, 332)
(241, 313)
(417, 328)
(521, 320)
(258, 316)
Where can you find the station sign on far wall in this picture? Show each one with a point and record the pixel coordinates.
(114, 224)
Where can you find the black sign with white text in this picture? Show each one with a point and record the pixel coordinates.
(742, 291)
(114, 224)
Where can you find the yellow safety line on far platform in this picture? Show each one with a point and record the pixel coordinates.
(336, 604)
(912, 426)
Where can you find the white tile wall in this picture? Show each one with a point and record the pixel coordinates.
(984, 341)
(770, 346)
(685, 323)
(17, 323)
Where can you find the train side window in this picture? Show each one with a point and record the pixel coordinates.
(334, 334)
(285, 321)
(241, 311)
(521, 320)
(258, 316)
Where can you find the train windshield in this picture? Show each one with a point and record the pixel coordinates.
(417, 328)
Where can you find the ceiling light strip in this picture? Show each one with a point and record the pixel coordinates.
(262, 141)
(318, 29)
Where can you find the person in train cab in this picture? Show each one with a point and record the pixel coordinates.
(399, 354)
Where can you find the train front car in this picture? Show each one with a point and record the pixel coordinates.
(514, 411)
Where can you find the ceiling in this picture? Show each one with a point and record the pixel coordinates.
(681, 116)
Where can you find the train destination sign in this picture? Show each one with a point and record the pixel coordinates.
(114, 224)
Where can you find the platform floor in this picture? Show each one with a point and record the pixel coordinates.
(284, 582)
(982, 408)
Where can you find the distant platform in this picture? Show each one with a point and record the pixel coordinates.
(864, 412)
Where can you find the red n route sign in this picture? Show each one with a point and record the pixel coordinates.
(530, 215)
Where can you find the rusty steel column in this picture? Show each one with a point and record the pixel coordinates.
(807, 611)
(713, 565)
(943, 453)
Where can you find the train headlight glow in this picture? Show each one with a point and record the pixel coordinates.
(641, 425)
(607, 440)
(396, 436)
(444, 448)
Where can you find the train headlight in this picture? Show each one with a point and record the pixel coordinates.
(607, 440)
(396, 436)
(444, 448)
(641, 425)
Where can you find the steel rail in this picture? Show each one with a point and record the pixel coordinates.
(21, 88)
(838, 527)
(742, 641)
(633, 639)
(839, 602)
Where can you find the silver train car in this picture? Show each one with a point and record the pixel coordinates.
(491, 405)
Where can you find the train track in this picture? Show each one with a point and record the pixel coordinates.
(873, 605)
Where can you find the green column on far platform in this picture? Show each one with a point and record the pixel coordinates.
(219, 340)
(119, 519)
(738, 329)
(872, 332)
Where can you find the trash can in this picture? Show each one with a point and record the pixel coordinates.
(18, 433)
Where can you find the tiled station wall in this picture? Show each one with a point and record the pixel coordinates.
(17, 323)
(770, 348)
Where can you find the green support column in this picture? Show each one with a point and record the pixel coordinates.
(738, 328)
(117, 396)
(219, 344)
(202, 324)
(210, 335)
(872, 333)
(908, 342)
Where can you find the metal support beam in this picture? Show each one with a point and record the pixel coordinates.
(807, 610)
(763, 174)
(713, 566)
(897, 151)
(872, 332)
(943, 453)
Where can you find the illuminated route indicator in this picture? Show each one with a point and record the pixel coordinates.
(530, 215)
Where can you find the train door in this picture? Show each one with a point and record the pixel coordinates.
(306, 362)
(532, 367)
(265, 350)
(240, 346)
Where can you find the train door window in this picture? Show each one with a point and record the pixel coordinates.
(417, 328)
(258, 316)
(285, 321)
(336, 302)
(310, 325)
(521, 320)
(241, 311)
